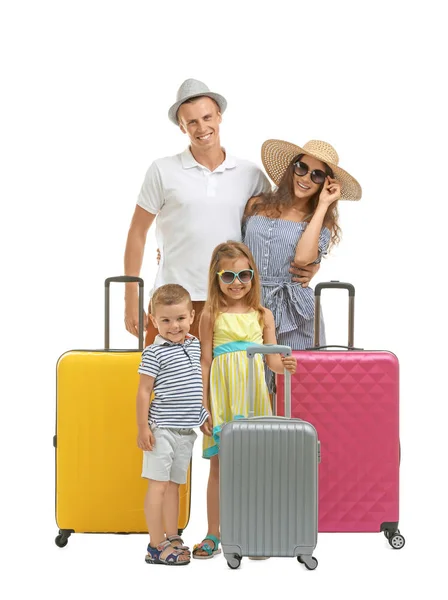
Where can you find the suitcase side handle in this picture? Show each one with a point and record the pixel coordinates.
(351, 310)
(267, 349)
(122, 279)
(334, 346)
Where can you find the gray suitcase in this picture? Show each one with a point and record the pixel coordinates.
(268, 482)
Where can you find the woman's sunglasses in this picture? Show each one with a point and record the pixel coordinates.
(301, 169)
(229, 277)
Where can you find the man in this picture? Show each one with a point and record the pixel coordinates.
(199, 198)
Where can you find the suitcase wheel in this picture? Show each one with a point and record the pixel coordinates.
(61, 540)
(396, 540)
(234, 562)
(309, 561)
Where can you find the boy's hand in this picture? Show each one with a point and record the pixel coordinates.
(207, 427)
(145, 438)
(290, 363)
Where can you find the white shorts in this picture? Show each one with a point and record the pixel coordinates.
(170, 457)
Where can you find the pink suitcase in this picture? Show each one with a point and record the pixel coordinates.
(351, 396)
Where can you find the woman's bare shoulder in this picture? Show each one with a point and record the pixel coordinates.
(251, 204)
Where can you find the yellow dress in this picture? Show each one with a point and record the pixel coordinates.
(232, 334)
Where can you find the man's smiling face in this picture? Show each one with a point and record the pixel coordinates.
(200, 120)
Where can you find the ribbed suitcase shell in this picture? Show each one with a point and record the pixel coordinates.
(352, 398)
(99, 487)
(268, 487)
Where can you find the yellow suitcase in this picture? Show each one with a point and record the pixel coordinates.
(99, 488)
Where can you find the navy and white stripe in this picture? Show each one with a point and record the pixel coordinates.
(178, 389)
(273, 243)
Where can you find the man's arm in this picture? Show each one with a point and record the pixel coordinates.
(133, 258)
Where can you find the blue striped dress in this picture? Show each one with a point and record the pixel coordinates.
(273, 243)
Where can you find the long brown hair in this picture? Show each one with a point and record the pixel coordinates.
(272, 203)
(216, 300)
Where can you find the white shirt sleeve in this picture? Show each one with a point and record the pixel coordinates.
(151, 196)
(261, 183)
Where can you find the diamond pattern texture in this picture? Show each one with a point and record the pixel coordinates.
(352, 398)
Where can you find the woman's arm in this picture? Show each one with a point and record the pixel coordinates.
(307, 249)
(206, 337)
(275, 362)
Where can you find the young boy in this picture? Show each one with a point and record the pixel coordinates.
(171, 368)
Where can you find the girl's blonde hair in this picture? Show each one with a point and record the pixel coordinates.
(216, 300)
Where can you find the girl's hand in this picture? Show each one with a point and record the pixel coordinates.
(145, 438)
(207, 427)
(330, 192)
(290, 363)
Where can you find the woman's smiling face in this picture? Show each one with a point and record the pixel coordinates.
(304, 186)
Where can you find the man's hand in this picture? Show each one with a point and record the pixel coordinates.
(304, 275)
(207, 427)
(131, 316)
(145, 438)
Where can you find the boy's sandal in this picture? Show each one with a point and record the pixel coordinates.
(206, 547)
(181, 546)
(154, 555)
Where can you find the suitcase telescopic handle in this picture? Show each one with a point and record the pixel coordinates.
(267, 349)
(123, 279)
(351, 310)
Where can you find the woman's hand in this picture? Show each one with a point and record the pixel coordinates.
(330, 192)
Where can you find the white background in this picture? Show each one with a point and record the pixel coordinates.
(86, 87)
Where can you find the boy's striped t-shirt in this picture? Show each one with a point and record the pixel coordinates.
(178, 388)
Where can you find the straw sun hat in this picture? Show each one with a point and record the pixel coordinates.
(277, 155)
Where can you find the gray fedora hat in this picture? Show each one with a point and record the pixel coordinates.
(192, 88)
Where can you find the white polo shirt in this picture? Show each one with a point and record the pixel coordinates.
(196, 210)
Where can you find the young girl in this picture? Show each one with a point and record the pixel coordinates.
(232, 320)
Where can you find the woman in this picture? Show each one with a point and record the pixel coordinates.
(298, 222)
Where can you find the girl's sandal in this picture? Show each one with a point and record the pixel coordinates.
(154, 555)
(176, 539)
(206, 547)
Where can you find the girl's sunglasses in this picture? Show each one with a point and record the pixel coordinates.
(229, 277)
(301, 169)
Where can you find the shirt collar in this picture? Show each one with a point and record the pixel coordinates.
(189, 161)
(161, 341)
